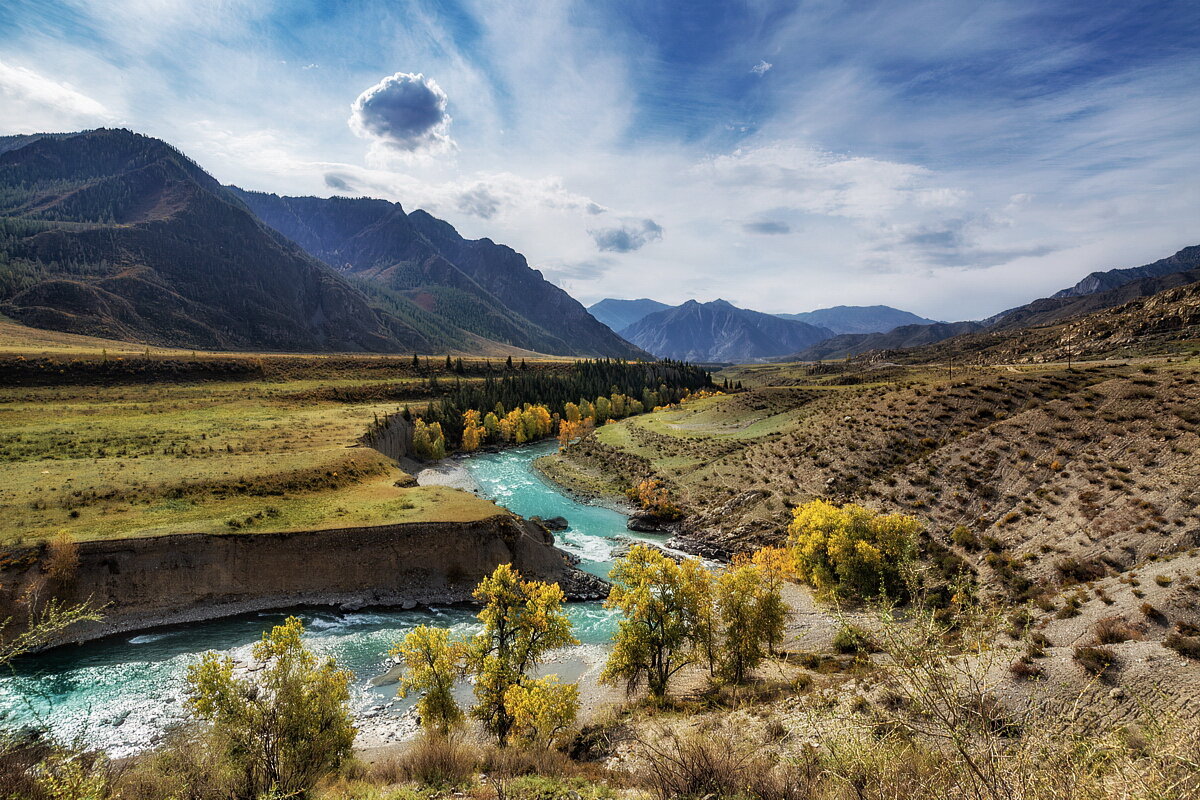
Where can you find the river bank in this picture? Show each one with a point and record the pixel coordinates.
(120, 693)
(167, 580)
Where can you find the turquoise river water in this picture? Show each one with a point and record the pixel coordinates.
(122, 692)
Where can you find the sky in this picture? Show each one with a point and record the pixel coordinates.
(950, 158)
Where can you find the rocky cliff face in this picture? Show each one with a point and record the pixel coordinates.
(182, 578)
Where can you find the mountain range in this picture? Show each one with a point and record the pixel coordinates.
(719, 331)
(111, 233)
(728, 333)
(1098, 291)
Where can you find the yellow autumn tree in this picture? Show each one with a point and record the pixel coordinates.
(657, 635)
(522, 622)
(542, 709)
(473, 432)
(287, 725)
(851, 551)
(751, 615)
(651, 495)
(433, 662)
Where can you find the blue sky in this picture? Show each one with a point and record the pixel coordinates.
(951, 158)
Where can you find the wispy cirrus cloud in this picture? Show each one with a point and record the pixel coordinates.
(952, 158)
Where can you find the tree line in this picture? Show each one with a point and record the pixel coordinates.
(523, 405)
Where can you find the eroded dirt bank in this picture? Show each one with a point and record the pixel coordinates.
(164, 580)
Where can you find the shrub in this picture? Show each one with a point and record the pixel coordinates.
(1186, 646)
(1074, 570)
(437, 761)
(288, 726)
(62, 558)
(852, 640)
(1114, 630)
(965, 538)
(851, 551)
(1025, 669)
(1096, 660)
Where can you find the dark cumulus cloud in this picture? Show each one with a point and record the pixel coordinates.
(405, 111)
(628, 237)
(767, 227)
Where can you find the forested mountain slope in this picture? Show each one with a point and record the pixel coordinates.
(414, 260)
(110, 233)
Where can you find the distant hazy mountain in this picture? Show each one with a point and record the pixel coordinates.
(620, 314)
(859, 319)
(1096, 292)
(719, 331)
(114, 234)
(418, 267)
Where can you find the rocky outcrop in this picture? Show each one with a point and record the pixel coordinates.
(161, 580)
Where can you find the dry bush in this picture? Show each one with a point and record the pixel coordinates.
(1096, 660)
(1186, 646)
(438, 761)
(19, 754)
(1025, 670)
(697, 764)
(1114, 630)
(190, 765)
(62, 558)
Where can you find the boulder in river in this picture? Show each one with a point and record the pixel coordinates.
(554, 523)
(645, 523)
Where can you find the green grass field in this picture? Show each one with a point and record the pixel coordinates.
(103, 461)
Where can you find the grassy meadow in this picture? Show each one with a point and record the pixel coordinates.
(148, 451)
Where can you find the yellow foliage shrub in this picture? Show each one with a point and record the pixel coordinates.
(851, 551)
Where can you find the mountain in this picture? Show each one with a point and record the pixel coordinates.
(1098, 291)
(620, 314)
(417, 266)
(858, 319)
(1162, 322)
(849, 344)
(1186, 259)
(719, 331)
(110, 233)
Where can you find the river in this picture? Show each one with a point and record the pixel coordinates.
(120, 693)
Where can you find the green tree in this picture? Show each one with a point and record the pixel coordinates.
(522, 622)
(284, 728)
(751, 615)
(434, 661)
(660, 602)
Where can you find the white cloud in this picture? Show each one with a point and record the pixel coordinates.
(33, 103)
(761, 67)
